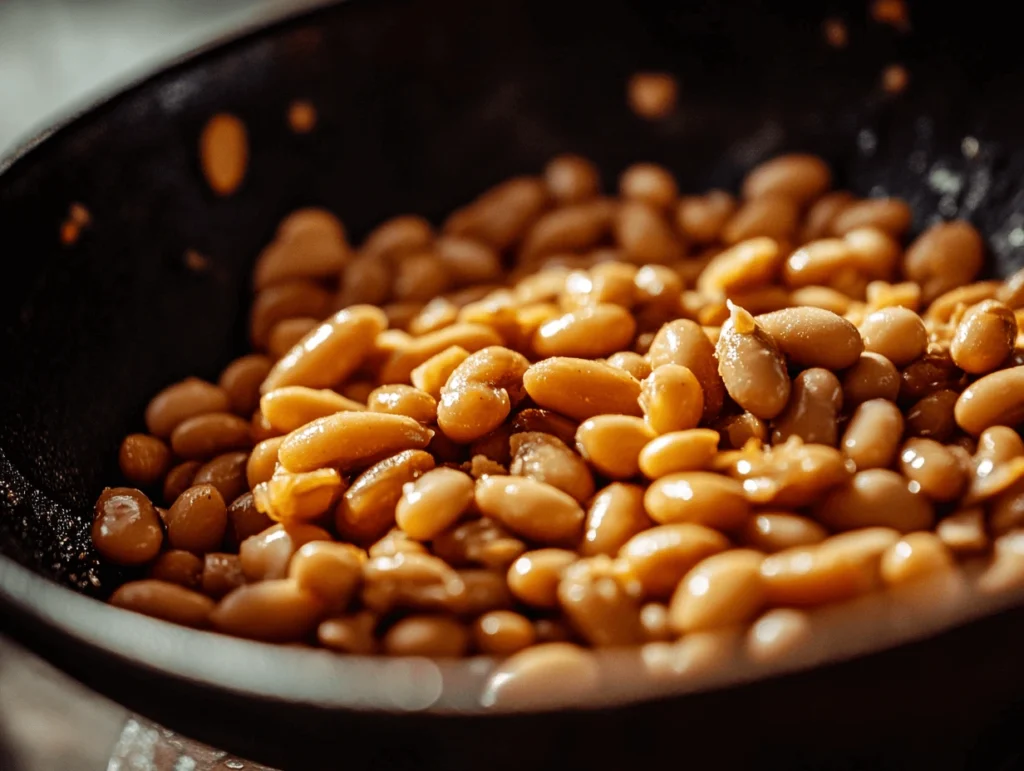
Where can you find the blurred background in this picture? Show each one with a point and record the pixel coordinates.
(57, 56)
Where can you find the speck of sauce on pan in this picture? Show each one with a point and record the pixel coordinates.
(224, 153)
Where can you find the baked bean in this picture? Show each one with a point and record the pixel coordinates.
(588, 332)
(609, 283)
(262, 461)
(481, 392)
(773, 216)
(822, 213)
(801, 178)
(350, 440)
(166, 601)
(872, 376)
(403, 400)
(197, 520)
(1006, 510)
(349, 634)
(672, 399)
(818, 263)
(227, 473)
(813, 409)
(722, 590)
(494, 446)
(778, 635)
(178, 567)
(265, 556)
(418, 277)
(916, 555)
(286, 333)
(999, 444)
(752, 366)
(683, 342)
(652, 95)
(875, 252)
(995, 399)
(736, 430)
(649, 183)
(747, 265)
(298, 496)
(209, 435)
(547, 459)
(811, 337)
(410, 580)
(896, 333)
(534, 577)
(964, 532)
(890, 215)
(676, 451)
(483, 591)
(546, 422)
(221, 574)
(366, 280)
(529, 508)
(272, 611)
(260, 428)
(401, 362)
(179, 479)
(700, 218)
(573, 228)
(581, 388)
(398, 236)
(331, 571)
(773, 531)
(291, 299)
(612, 444)
(434, 502)
(466, 261)
(597, 605)
(309, 243)
(936, 470)
(181, 401)
(947, 255)
(792, 474)
(436, 314)
(658, 558)
(143, 459)
(644, 235)
(571, 179)
(984, 338)
(502, 632)
(396, 541)
(561, 668)
(431, 375)
(932, 372)
(823, 297)
(876, 498)
(839, 568)
(367, 509)
(882, 294)
(550, 630)
(500, 216)
(698, 497)
(654, 619)
(934, 417)
(1006, 570)
(241, 381)
(615, 514)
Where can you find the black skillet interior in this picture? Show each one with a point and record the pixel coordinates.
(421, 105)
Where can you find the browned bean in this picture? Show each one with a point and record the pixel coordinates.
(166, 601)
(126, 529)
(659, 558)
(285, 301)
(310, 243)
(698, 497)
(773, 531)
(547, 459)
(597, 604)
(181, 401)
(221, 574)
(262, 461)
(649, 183)
(272, 611)
(683, 342)
(994, 400)
(531, 509)
(773, 216)
(934, 416)
(872, 376)
(581, 388)
(197, 520)
(947, 255)
(143, 459)
(350, 440)
(876, 498)
(873, 434)
(812, 412)
(644, 235)
(367, 509)
(801, 178)
(179, 479)
(241, 381)
(502, 632)
(811, 337)
(722, 590)
(178, 567)
(984, 338)
(265, 556)
(434, 502)
(669, 453)
(298, 497)
(936, 470)
(700, 219)
(751, 366)
(209, 435)
(481, 392)
(571, 179)
(890, 215)
(612, 444)
(227, 473)
(897, 333)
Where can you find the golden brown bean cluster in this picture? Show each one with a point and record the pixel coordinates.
(565, 417)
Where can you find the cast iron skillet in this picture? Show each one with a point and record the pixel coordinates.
(422, 105)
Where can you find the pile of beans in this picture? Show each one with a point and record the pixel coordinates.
(566, 417)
